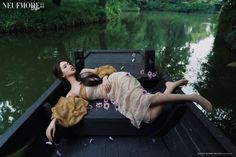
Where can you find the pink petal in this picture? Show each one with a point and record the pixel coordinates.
(106, 106)
(90, 107)
(127, 74)
(116, 108)
(133, 54)
(154, 74)
(149, 75)
(98, 105)
(144, 92)
(142, 71)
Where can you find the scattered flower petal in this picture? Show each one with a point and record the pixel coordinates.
(144, 92)
(154, 74)
(58, 153)
(153, 140)
(90, 107)
(127, 74)
(116, 108)
(106, 106)
(112, 101)
(111, 138)
(122, 68)
(133, 54)
(133, 60)
(49, 143)
(98, 105)
(142, 71)
(91, 140)
(149, 75)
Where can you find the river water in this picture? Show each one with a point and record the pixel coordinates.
(184, 45)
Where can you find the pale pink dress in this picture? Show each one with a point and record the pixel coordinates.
(132, 99)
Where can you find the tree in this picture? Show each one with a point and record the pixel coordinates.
(102, 3)
(57, 2)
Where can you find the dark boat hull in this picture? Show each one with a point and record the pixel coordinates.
(181, 130)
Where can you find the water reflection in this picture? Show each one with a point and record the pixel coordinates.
(217, 82)
(179, 41)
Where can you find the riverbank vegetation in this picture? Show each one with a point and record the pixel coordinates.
(62, 14)
(189, 6)
(219, 73)
(56, 14)
(227, 25)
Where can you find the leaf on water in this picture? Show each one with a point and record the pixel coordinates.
(232, 64)
(10, 84)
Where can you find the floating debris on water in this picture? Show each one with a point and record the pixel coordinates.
(10, 84)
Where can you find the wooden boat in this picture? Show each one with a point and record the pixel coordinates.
(181, 130)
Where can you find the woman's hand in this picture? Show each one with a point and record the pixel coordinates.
(50, 132)
(106, 84)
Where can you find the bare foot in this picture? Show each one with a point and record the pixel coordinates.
(206, 105)
(175, 84)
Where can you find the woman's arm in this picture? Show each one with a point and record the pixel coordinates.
(50, 132)
(88, 70)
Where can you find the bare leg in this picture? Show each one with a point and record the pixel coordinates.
(155, 110)
(165, 98)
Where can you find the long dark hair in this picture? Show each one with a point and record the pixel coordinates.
(86, 78)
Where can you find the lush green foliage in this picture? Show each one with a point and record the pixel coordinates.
(227, 24)
(180, 5)
(70, 13)
(219, 73)
(113, 8)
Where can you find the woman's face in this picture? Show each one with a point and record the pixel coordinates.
(67, 69)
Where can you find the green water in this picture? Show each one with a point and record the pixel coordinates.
(184, 48)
